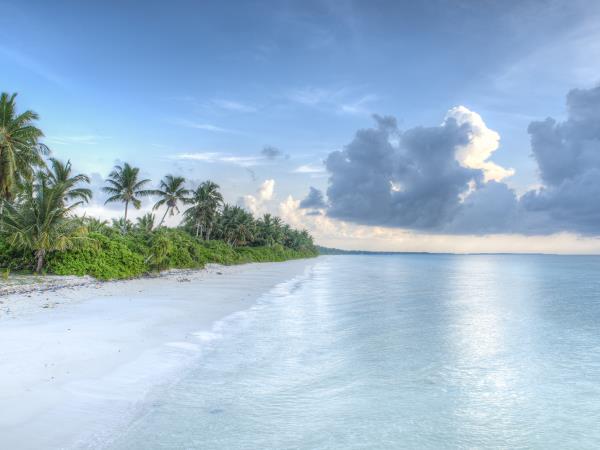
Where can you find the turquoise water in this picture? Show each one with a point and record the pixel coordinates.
(415, 351)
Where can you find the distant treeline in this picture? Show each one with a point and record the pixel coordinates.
(337, 251)
(40, 231)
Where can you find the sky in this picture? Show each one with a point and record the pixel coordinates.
(451, 126)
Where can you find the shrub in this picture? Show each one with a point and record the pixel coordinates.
(111, 255)
(101, 257)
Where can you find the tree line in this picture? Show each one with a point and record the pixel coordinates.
(39, 195)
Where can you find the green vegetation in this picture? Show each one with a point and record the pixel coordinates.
(20, 150)
(40, 232)
(124, 186)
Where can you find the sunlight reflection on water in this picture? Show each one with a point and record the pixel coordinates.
(414, 351)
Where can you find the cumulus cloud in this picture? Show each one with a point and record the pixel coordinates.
(314, 199)
(568, 158)
(257, 203)
(440, 179)
(414, 183)
(481, 144)
(335, 233)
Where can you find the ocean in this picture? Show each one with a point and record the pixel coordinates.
(398, 351)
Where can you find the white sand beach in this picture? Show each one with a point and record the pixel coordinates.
(77, 363)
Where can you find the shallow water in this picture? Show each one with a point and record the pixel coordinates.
(412, 351)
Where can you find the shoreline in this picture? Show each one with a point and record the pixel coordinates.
(37, 289)
(77, 362)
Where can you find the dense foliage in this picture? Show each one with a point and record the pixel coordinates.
(111, 255)
(39, 230)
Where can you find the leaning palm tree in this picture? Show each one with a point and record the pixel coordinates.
(41, 222)
(125, 186)
(206, 201)
(171, 192)
(20, 150)
(60, 173)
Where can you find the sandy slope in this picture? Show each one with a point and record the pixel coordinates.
(77, 363)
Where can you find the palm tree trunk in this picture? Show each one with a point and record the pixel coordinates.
(39, 254)
(163, 217)
(197, 228)
(126, 205)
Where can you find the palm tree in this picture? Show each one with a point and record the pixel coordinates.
(20, 150)
(94, 225)
(270, 230)
(171, 192)
(60, 173)
(237, 225)
(206, 201)
(146, 222)
(41, 222)
(124, 226)
(125, 186)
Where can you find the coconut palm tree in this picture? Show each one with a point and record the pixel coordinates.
(124, 226)
(206, 201)
(94, 225)
(125, 186)
(20, 150)
(146, 222)
(237, 225)
(60, 173)
(41, 222)
(171, 192)
(270, 230)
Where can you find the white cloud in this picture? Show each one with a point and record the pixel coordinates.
(257, 203)
(358, 106)
(482, 143)
(265, 192)
(343, 100)
(203, 126)
(216, 157)
(86, 139)
(112, 211)
(231, 105)
(310, 168)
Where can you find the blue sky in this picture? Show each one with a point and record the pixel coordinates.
(201, 88)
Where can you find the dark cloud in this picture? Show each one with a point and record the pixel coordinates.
(568, 157)
(272, 153)
(491, 209)
(315, 212)
(313, 200)
(412, 179)
(415, 183)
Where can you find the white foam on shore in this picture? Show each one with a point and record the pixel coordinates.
(73, 374)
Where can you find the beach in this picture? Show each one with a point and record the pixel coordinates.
(77, 363)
